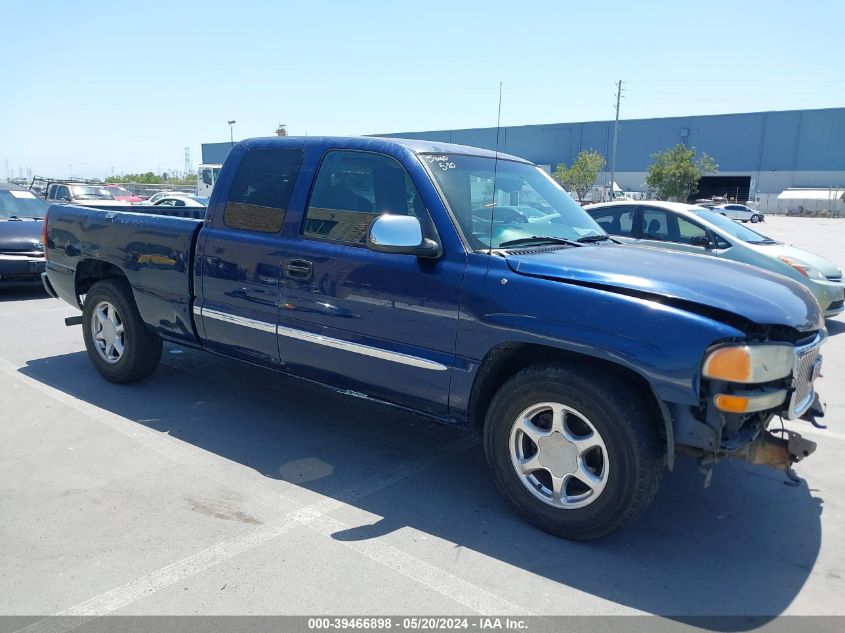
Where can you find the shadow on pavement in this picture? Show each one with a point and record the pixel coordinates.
(745, 545)
(22, 293)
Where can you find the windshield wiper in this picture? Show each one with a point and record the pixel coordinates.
(549, 239)
(593, 238)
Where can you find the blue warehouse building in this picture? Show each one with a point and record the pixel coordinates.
(759, 153)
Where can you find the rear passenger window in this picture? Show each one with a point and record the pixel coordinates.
(352, 189)
(261, 190)
(655, 225)
(615, 220)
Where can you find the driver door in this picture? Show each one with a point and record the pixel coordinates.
(663, 229)
(380, 324)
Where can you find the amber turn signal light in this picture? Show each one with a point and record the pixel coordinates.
(729, 363)
(731, 404)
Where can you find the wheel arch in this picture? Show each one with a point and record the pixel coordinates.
(90, 271)
(507, 359)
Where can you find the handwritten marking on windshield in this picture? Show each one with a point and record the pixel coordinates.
(442, 161)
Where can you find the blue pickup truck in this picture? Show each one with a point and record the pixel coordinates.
(465, 285)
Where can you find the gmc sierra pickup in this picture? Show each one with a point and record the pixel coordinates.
(465, 285)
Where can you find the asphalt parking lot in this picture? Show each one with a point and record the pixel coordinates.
(219, 488)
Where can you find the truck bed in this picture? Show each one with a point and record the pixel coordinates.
(153, 251)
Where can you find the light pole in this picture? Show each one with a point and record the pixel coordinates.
(615, 135)
(232, 132)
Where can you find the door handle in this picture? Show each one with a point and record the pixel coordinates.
(299, 268)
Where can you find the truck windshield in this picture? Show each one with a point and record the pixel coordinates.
(495, 202)
(92, 193)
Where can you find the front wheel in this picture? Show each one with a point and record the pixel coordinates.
(118, 342)
(577, 457)
(755, 219)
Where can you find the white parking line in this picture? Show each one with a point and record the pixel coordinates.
(311, 516)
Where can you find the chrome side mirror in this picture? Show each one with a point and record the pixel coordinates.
(402, 235)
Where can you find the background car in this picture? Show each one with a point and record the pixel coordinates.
(181, 201)
(121, 193)
(164, 194)
(738, 212)
(694, 229)
(21, 222)
(85, 194)
(516, 214)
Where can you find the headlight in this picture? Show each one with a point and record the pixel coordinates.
(749, 363)
(805, 269)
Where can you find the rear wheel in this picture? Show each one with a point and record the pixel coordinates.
(119, 344)
(578, 457)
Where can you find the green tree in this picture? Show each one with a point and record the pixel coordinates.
(675, 172)
(147, 178)
(583, 173)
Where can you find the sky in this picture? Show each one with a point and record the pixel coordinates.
(95, 88)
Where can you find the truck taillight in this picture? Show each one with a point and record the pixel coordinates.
(44, 236)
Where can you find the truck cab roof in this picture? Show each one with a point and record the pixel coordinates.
(376, 144)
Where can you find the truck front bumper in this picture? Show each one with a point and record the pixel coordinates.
(830, 295)
(48, 287)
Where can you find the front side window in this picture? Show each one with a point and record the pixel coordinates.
(688, 230)
(354, 188)
(261, 190)
(496, 202)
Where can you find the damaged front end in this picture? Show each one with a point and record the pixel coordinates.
(744, 387)
(778, 451)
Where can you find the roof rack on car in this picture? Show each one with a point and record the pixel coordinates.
(64, 181)
(39, 184)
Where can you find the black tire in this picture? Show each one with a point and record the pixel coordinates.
(142, 348)
(755, 219)
(625, 422)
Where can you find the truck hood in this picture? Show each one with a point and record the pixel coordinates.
(20, 235)
(694, 282)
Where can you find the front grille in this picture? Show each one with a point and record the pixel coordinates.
(836, 305)
(802, 378)
(837, 278)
